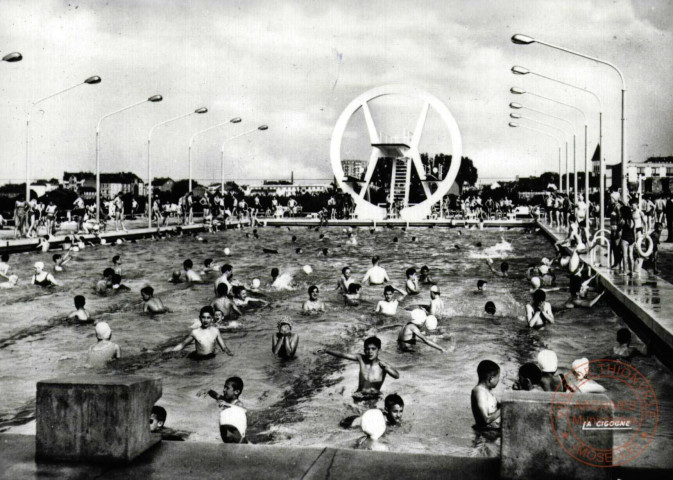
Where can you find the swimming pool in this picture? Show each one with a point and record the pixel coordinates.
(301, 402)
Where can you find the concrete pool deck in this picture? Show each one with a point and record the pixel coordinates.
(648, 298)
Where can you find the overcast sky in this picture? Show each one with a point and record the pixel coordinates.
(296, 65)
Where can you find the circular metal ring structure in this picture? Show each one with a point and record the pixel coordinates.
(363, 208)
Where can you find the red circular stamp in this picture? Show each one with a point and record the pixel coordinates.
(604, 432)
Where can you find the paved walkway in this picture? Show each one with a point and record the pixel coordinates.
(648, 297)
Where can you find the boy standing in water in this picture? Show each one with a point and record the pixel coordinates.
(284, 343)
(436, 303)
(80, 313)
(223, 303)
(151, 304)
(206, 338)
(376, 275)
(388, 306)
(104, 350)
(373, 371)
(485, 406)
(190, 274)
(412, 282)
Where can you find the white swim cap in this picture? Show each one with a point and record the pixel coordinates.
(256, 283)
(39, 265)
(307, 269)
(418, 316)
(119, 241)
(547, 361)
(373, 423)
(546, 261)
(434, 289)
(536, 282)
(581, 367)
(431, 322)
(227, 251)
(544, 269)
(235, 417)
(103, 331)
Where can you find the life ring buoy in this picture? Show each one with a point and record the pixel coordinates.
(639, 246)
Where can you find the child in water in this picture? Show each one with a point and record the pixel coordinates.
(412, 282)
(80, 312)
(285, 342)
(548, 363)
(388, 306)
(538, 312)
(190, 274)
(436, 304)
(373, 371)
(406, 340)
(504, 268)
(624, 348)
(60, 261)
(485, 406)
(313, 304)
(242, 300)
(104, 350)
(373, 425)
(151, 304)
(425, 278)
(223, 303)
(345, 280)
(530, 377)
(206, 337)
(393, 408)
(352, 296)
(117, 264)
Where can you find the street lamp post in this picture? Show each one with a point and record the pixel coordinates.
(518, 106)
(153, 98)
(191, 140)
(560, 142)
(518, 70)
(520, 91)
(261, 127)
(526, 40)
(90, 81)
(149, 159)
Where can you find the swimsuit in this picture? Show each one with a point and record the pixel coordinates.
(42, 283)
(198, 357)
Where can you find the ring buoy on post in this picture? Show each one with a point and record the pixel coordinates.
(650, 246)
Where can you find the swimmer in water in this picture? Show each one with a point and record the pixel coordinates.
(548, 363)
(209, 267)
(4, 264)
(11, 282)
(376, 275)
(373, 370)
(352, 239)
(117, 264)
(489, 308)
(223, 303)
(623, 349)
(60, 261)
(190, 274)
(406, 340)
(42, 278)
(104, 350)
(411, 284)
(80, 313)
(227, 273)
(538, 312)
(117, 285)
(151, 304)
(436, 306)
(284, 343)
(388, 306)
(393, 409)
(176, 277)
(481, 285)
(345, 280)
(425, 278)
(485, 407)
(44, 245)
(206, 338)
(529, 379)
(536, 284)
(504, 268)
(352, 297)
(106, 283)
(241, 298)
(313, 304)
(577, 380)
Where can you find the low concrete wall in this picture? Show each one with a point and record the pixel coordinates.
(93, 418)
(531, 448)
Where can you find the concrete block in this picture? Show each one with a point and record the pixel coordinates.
(530, 447)
(94, 418)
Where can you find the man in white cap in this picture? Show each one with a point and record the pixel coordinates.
(436, 303)
(577, 380)
(104, 350)
(548, 363)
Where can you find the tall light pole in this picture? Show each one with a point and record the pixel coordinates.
(89, 81)
(12, 57)
(526, 40)
(519, 70)
(261, 127)
(518, 106)
(154, 99)
(521, 91)
(149, 159)
(560, 142)
(191, 140)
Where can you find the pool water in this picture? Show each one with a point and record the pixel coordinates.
(300, 402)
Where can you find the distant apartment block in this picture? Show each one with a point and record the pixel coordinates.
(354, 168)
(110, 183)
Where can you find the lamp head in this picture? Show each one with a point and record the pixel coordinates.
(522, 39)
(514, 115)
(517, 90)
(263, 127)
(155, 98)
(201, 110)
(93, 80)
(236, 120)
(517, 70)
(12, 57)
(513, 124)
(515, 105)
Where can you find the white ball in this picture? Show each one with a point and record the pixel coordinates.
(418, 316)
(119, 241)
(227, 251)
(256, 283)
(307, 269)
(431, 322)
